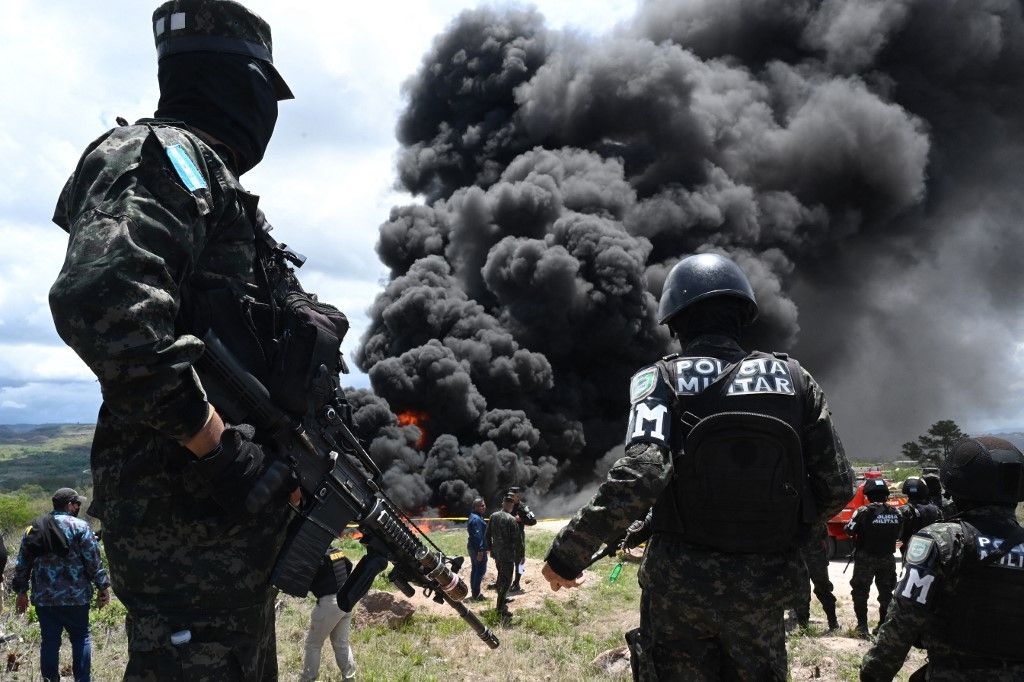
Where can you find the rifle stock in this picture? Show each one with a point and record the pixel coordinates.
(319, 453)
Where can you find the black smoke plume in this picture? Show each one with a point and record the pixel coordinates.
(858, 158)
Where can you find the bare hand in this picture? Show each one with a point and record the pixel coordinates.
(21, 604)
(102, 598)
(557, 582)
(480, 556)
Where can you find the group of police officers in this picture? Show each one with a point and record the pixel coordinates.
(735, 451)
(714, 455)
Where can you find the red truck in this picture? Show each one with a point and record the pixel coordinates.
(839, 542)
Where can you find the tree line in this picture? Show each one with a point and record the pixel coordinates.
(933, 446)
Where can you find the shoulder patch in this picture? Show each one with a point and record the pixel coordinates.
(186, 168)
(643, 384)
(919, 549)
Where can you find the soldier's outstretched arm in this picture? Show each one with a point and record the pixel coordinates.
(631, 488)
(828, 470)
(929, 553)
(903, 625)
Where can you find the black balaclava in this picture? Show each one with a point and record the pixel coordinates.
(720, 315)
(227, 96)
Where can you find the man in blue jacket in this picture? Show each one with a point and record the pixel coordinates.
(477, 547)
(60, 557)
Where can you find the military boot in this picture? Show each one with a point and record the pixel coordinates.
(830, 613)
(882, 610)
(861, 610)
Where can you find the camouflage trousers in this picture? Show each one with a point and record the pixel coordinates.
(813, 568)
(504, 583)
(195, 583)
(686, 634)
(880, 568)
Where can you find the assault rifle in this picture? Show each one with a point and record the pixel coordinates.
(323, 457)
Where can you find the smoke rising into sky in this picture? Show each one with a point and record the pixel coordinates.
(858, 158)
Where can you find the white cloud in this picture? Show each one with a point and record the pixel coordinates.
(327, 180)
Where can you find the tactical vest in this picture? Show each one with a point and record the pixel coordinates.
(982, 615)
(282, 335)
(878, 529)
(739, 483)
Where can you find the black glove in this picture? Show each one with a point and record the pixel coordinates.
(233, 467)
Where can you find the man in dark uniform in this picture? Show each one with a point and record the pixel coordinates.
(506, 545)
(962, 588)
(814, 569)
(524, 517)
(706, 429)
(875, 528)
(930, 476)
(165, 244)
(917, 513)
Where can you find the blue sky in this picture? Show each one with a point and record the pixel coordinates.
(326, 182)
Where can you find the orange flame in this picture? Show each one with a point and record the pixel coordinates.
(415, 418)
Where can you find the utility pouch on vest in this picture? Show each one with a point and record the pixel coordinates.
(741, 477)
(311, 336)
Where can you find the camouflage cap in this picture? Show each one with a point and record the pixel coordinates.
(215, 26)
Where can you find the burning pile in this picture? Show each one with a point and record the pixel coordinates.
(855, 157)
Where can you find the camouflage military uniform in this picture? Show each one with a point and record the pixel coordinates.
(936, 561)
(814, 568)
(177, 561)
(875, 528)
(705, 611)
(506, 545)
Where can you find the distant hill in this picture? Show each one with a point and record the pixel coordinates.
(46, 455)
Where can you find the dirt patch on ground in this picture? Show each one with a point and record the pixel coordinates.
(536, 591)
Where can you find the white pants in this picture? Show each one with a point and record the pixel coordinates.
(328, 619)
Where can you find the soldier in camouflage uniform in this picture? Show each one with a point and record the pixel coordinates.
(814, 568)
(505, 543)
(875, 528)
(962, 587)
(524, 517)
(163, 240)
(721, 564)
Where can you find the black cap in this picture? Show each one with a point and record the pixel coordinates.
(215, 26)
(62, 497)
(515, 489)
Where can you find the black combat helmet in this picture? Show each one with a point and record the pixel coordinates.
(934, 483)
(984, 470)
(696, 278)
(876, 490)
(916, 489)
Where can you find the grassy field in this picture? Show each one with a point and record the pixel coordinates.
(48, 457)
(554, 636)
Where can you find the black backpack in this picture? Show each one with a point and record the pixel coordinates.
(741, 478)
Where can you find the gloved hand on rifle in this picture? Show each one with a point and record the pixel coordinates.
(233, 467)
